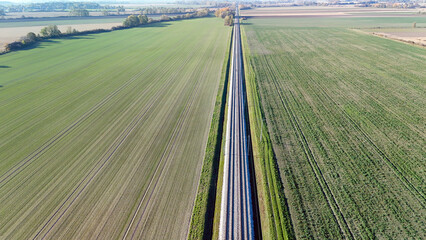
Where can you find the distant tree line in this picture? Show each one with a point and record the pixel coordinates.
(133, 21)
(243, 7)
(227, 14)
(164, 10)
(365, 3)
(389, 5)
(213, 3)
(120, 9)
(52, 31)
(79, 12)
(26, 41)
(142, 19)
(53, 6)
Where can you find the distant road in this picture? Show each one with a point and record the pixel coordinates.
(236, 216)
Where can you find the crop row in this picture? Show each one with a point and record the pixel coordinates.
(204, 206)
(101, 132)
(347, 139)
(274, 215)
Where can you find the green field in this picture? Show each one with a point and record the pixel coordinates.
(340, 22)
(103, 135)
(345, 113)
(204, 210)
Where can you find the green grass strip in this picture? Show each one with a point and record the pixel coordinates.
(203, 212)
(275, 218)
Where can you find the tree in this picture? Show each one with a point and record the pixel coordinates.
(69, 30)
(164, 18)
(50, 31)
(120, 9)
(229, 20)
(31, 37)
(188, 15)
(105, 12)
(12, 46)
(131, 21)
(2, 12)
(177, 17)
(28, 39)
(223, 12)
(202, 13)
(143, 19)
(79, 12)
(242, 7)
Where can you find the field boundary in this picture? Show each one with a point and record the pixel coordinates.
(33, 43)
(274, 214)
(204, 206)
(384, 36)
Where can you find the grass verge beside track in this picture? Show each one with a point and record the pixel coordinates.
(274, 215)
(204, 207)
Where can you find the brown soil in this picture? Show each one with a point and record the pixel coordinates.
(417, 38)
(322, 12)
(8, 35)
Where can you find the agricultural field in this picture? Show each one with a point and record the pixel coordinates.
(318, 11)
(11, 34)
(409, 35)
(13, 30)
(347, 22)
(103, 136)
(345, 114)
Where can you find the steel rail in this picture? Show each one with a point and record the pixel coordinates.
(236, 215)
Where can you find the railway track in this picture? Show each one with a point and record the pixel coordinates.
(236, 216)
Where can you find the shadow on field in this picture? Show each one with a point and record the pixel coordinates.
(154, 25)
(246, 23)
(82, 35)
(50, 40)
(4, 66)
(79, 37)
(37, 44)
(211, 198)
